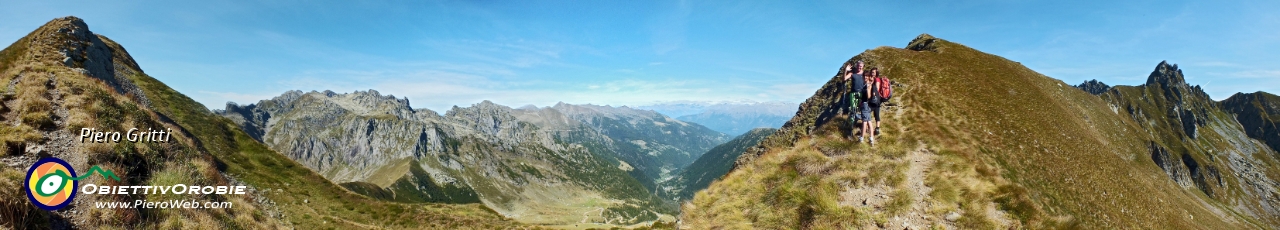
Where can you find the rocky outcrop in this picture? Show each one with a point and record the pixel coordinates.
(1196, 141)
(1094, 87)
(1184, 170)
(93, 55)
(1167, 99)
(1258, 114)
(923, 42)
(1171, 165)
(1188, 102)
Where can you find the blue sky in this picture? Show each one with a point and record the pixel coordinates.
(445, 53)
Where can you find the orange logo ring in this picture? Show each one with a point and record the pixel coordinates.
(51, 176)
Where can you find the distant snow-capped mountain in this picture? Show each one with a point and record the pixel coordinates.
(729, 117)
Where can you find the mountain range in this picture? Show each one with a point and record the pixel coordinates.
(537, 165)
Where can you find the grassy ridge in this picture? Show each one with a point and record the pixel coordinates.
(416, 187)
(46, 102)
(1045, 153)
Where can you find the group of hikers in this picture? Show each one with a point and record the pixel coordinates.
(867, 92)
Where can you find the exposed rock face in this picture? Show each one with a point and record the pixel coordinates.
(1195, 140)
(367, 139)
(87, 52)
(1171, 166)
(1185, 106)
(511, 158)
(1094, 87)
(1184, 170)
(1258, 113)
(923, 42)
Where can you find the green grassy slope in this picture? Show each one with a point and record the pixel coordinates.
(208, 150)
(986, 131)
(416, 187)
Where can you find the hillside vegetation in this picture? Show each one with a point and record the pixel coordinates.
(62, 77)
(712, 165)
(974, 140)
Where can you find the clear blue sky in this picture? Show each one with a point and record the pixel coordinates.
(515, 53)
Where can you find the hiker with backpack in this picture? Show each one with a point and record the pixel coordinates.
(855, 84)
(880, 90)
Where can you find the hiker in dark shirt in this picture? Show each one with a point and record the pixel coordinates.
(856, 87)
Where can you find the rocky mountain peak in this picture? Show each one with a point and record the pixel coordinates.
(924, 42)
(487, 118)
(1187, 105)
(486, 107)
(1170, 80)
(373, 97)
(79, 46)
(1094, 87)
(1167, 74)
(72, 26)
(69, 42)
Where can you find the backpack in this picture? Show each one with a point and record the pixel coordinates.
(885, 89)
(873, 85)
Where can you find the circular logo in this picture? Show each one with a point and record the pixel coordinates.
(50, 185)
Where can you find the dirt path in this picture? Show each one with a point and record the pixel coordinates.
(586, 216)
(921, 162)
